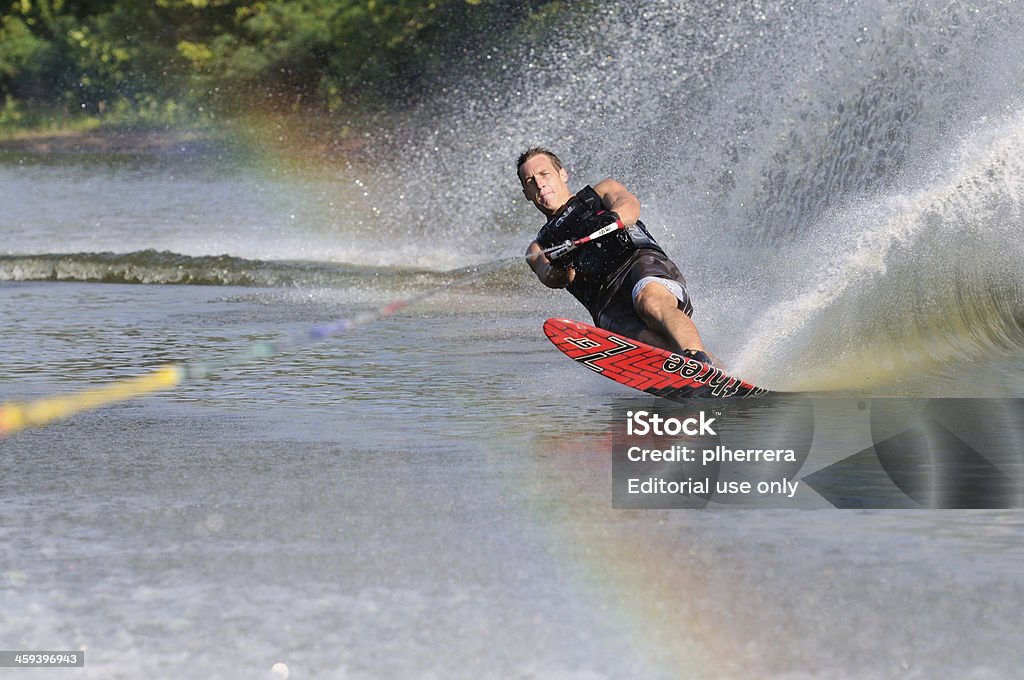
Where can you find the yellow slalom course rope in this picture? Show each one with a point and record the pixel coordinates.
(15, 416)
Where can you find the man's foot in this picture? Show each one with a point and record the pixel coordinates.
(698, 355)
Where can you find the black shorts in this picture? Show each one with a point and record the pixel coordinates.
(619, 315)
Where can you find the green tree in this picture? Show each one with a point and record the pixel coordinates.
(157, 60)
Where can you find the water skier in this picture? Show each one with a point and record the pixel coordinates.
(624, 279)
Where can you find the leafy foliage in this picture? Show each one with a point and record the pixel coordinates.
(161, 61)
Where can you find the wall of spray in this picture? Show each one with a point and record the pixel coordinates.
(841, 183)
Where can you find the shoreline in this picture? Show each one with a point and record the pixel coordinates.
(109, 140)
(306, 136)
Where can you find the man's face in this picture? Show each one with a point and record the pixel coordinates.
(543, 185)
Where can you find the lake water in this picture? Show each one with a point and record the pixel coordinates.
(427, 496)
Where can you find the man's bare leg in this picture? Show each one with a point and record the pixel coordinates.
(659, 309)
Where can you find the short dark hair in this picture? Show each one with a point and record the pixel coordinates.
(537, 151)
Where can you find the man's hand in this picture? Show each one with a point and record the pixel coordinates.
(551, 275)
(558, 276)
(559, 253)
(601, 219)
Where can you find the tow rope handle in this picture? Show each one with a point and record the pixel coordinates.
(562, 249)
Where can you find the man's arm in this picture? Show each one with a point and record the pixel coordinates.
(549, 275)
(618, 198)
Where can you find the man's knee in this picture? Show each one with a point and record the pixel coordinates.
(654, 299)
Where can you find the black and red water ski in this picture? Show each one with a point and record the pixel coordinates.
(643, 367)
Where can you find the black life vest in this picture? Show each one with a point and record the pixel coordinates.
(598, 263)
